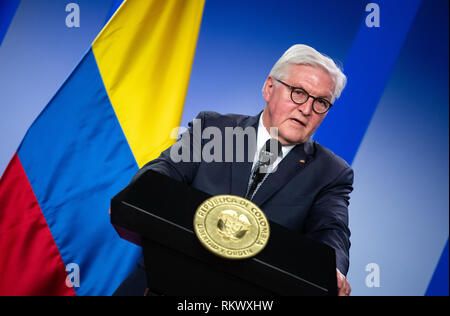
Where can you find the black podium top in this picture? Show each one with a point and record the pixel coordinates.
(157, 213)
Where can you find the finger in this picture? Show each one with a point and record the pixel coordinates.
(339, 281)
(347, 289)
(342, 292)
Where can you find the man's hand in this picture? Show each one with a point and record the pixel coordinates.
(344, 288)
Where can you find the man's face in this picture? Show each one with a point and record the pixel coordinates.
(296, 123)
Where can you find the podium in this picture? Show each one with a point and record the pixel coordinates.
(157, 212)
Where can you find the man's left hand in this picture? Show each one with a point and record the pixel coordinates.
(344, 288)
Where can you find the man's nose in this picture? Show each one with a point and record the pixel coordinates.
(307, 107)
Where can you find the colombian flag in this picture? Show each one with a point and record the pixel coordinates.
(114, 113)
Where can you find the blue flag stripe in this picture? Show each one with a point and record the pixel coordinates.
(76, 158)
(116, 4)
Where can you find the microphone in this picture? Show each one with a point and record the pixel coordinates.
(268, 154)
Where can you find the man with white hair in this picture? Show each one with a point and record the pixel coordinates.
(299, 92)
(308, 186)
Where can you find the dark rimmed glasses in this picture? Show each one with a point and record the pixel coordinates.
(300, 96)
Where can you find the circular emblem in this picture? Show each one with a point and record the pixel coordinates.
(231, 227)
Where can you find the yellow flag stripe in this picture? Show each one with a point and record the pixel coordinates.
(145, 56)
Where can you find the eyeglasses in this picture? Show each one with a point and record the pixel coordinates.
(300, 96)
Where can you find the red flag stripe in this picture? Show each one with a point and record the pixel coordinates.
(28, 253)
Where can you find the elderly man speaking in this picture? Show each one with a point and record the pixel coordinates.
(307, 187)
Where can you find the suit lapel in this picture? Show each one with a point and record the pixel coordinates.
(297, 160)
(240, 171)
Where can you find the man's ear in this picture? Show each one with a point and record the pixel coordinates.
(268, 88)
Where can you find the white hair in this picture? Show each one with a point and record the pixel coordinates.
(305, 55)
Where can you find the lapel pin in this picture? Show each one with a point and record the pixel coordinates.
(302, 161)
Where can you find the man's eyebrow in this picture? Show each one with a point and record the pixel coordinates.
(328, 97)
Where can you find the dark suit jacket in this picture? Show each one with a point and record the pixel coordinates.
(310, 197)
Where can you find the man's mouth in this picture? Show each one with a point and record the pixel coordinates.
(298, 122)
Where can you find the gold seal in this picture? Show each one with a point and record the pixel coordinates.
(231, 227)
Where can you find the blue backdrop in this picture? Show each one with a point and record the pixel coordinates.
(391, 123)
